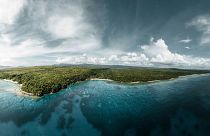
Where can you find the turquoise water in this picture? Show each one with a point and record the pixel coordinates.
(175, 107)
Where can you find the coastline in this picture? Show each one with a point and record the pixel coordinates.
(100, 79)
(19, 92)
(18, 89)
(151, 81)
(7, 80)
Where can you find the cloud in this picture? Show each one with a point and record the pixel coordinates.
(15, 55)
(187, 47)
(72, 24)
(69, 22)
(158, 53)
(38, 28)
(187, 40)
(122, 59)
(83, 59)
(202, 24)
(63, 27)
(132, 58)
(41, 32)
(154, 54)
(9, 54)
(9, 10)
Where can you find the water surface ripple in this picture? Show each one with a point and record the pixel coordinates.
(175, 107)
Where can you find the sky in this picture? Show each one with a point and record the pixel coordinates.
(148, 33)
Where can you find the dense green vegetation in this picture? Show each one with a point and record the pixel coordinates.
(144, 74)
(51, 79)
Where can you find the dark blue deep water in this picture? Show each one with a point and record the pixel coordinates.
(92, 108)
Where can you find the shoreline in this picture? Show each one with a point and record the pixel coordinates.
(152, 81)
(18, 86)
(7, 80)
(99, 79)
(19, 91)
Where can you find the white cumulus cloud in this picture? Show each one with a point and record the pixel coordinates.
(158, 52)
(82, 59)
(122, 59)
(132, 58)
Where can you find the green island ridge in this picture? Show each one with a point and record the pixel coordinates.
(41, 80)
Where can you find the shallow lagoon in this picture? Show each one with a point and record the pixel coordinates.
(174, 107)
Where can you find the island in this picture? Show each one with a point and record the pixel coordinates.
(41, 80)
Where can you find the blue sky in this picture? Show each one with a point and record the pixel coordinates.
(156, 33)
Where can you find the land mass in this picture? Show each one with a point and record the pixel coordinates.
(51, 79)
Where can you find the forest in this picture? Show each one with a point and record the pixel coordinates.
(51, 79)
